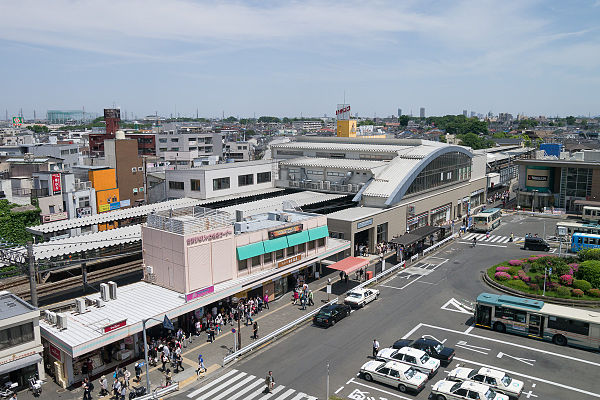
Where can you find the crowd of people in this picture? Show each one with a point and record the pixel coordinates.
(499, 196)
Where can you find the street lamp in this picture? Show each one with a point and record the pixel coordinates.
(146, 351)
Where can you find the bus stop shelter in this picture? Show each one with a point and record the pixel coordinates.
(349, 264)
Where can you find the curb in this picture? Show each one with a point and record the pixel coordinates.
(570, 302)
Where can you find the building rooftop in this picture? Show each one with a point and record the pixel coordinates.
(12, 306)
(354, 213)
(342, 163)
(288, 201)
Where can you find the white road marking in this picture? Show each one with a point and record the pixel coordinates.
(463, 344)
(286, 394)
(261, 390)
(469, 329)
(219, 379)
(416, 328)
(527, 361)
(380, 390)
(455, 306)
(276, 390)
(484, 244)
(235, 387)
(533, 378)
(507, 343)
(208, 395)
(533, 385)
(339, 390)
(529, 394)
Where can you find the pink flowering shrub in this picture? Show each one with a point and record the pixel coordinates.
(502, 276)
(532, 259)
(523, 276)
(515, 263)
(502, 269)
(573, 267)
(577, 292)
(566, 279)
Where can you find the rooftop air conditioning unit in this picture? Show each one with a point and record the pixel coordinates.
(104, 293)
(61, 321)
(112, 286)
(99, 303)
(80, 306)
(149, 269)
(50, 317)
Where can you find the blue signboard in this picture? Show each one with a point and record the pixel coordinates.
(115, 206)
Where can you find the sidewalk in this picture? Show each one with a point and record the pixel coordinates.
(280, 313)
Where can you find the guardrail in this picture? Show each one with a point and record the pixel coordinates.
(158, 393)
(434, 247)
(258, 343)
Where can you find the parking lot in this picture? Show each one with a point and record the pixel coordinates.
(548, 371)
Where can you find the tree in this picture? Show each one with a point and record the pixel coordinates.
(38, 128)
(268, 120)
(12, 224)
(230, 119)
(366, 122)
(403, 120)
(570, 120)
(443, 139)
(499, 135)
(475, 142)
(527, 123)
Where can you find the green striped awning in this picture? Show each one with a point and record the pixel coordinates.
(275, 244)
(318, 233)
(298, 238)
(250, 250)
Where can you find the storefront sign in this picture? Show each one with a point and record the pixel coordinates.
(475, 193)
(103, 207)
(537, 178)
(84, 212)
(115, 206)
(288, 230)
(125, 203)
(54, 351)
(199, 293)
(289, 261)
(209, 237)
(115, 326)
(55, 183)
(59, 216)
(14, 357)
(364, 223)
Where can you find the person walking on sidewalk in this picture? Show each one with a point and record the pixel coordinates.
(255, 330)
(266, 300)
(179, 361)
(138, 370)
(126, 375)
(375, 347)
(270, 382)
(103, 386)
(87, 389)
(168, 378)
(201, 367)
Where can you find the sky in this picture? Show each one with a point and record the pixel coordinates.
(300, 58)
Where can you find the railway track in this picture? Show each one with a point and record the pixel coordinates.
(20, 285)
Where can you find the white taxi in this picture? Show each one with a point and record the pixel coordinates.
(413, 357)
(402, 376)
(360, 296)
(498, 380)
(450, 390)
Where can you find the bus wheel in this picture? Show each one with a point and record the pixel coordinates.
(559, 340)
(499, 327)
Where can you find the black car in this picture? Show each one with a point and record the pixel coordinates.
(329, 315)
(535, 243)
(430, 346)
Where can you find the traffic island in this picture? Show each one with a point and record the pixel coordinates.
(567, 280)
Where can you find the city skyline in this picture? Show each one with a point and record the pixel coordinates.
(292, 59)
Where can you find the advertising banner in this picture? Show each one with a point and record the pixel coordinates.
(56, 183)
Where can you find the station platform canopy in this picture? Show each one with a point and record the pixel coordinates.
(416, 235)
(349, 264)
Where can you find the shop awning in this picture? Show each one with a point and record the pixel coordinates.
(20, 363)
(297, 238)
(349, 264)
(418, 234)
(251, 250)
(275, 244)
(318, 233)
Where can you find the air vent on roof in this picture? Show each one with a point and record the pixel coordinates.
(61, 321)
(99, 303)
(112, 286)
(104, 293)
(50, 317)
(80, 306)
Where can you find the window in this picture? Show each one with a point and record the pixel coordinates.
(381, 233)
(174, 140)
(461, 392)
(64, 152)
(473, 395)
(74, 151)
(140, 168)
(256, 261)
(141, 189)
(569, 325)
(384, 371)
(267, 257)
(279, 254)
(135, 191)
(162, 140)
(175, 185)
(443, 170)
(16, 335)
(221, 183)
(311, 245)
(195, 184)
(263, 177)
(245, 180)
(84, 201)
(51, 209)
(510, 314)
(301, 247)
(162, 149)
(174, 148)
(242, 265)
(291, 251)
(133, 169)
(321, 242)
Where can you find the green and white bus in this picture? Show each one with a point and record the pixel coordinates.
(536, 319)
(486, 220)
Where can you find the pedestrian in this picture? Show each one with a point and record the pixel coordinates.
(266, 300)
(201, 368)
(87, 389)
(375, 347)
(126, 375)
(123, 391)
(329, 281)
(179, 366)
(90, 367)
(116, 387)
(255, 329)
(341, 275)
(512, 237)
(103, 386)
(346, 278)
(295, 296)
(168, 378)
(270, 382)
(310, 298)
(303, 300)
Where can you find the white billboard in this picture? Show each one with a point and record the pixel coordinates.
(342, 112)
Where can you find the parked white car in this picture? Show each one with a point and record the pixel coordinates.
(402, 376)
(413, 357)
(498, 380)
(451, 390)
(360, 296)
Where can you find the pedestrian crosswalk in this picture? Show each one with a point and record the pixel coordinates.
(238, 385)
(492, 239)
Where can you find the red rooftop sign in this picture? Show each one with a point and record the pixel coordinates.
(115, 326)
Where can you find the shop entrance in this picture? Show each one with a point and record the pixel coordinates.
(361, 242)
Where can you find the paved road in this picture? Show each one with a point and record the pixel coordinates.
(425, 299)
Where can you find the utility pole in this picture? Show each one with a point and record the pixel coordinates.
(327, 380)
(32, 275)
